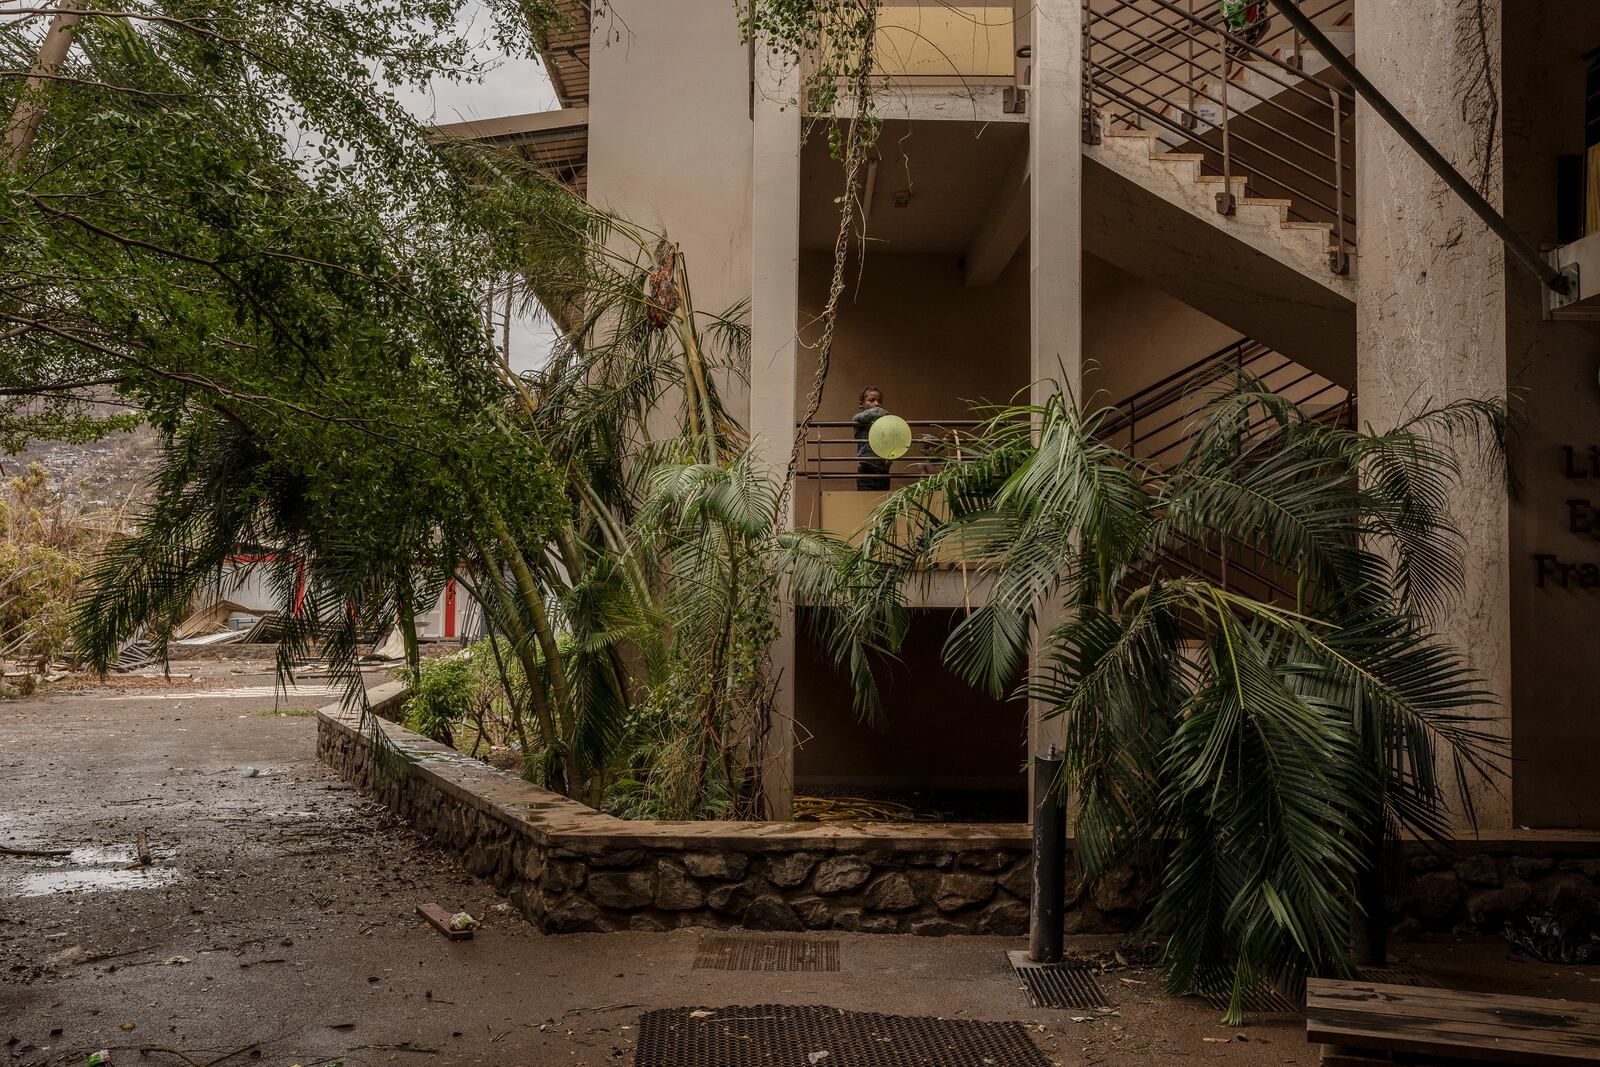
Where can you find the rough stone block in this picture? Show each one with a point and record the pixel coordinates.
(840, 874)
(816, 913)
(771, 913)
(675, 890)
(645, 923)
(621, 890)
(1530, 867)
(988, 859)
(616, 859)
(723, 866)
(575, 916)
(1479, 870)
(1018, 881)
(1490, 908)
(1566, 891)
(562, 875)
(878, 924)
(936, 928)
(891, 892)
(1435, 897)
(1005, 917)
(1118, 890)
(957, 891)
(790, 869)
(1587, 868)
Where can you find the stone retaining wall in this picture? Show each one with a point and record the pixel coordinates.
(570, 868)
(1479, 884)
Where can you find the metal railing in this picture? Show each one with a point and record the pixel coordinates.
(1156, 423)
(1241, 101)
(830, 451)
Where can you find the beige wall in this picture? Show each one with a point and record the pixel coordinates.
(1135, 334)
(913, 328)
(670, 141)
(1431, 318)
(1552, 368)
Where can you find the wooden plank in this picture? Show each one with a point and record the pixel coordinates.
(1451, 1024)
(439, 919)
(1505, 1019)
(1332, 993)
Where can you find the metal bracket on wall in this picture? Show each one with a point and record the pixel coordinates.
(1091, 126)
(1339, 261)
(1014, 100)
(1558, 305)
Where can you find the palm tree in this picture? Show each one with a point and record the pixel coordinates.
(541, 493)
(1256, 754)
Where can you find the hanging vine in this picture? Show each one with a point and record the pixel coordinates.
(835, 41)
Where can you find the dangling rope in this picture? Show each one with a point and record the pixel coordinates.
(856, 146)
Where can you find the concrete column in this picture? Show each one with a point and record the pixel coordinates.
(1055, 250)
(1431, 314)
(774, 318)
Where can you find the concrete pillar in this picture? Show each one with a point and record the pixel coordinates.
(774, 321)
(1055, 249)
(1431, 314)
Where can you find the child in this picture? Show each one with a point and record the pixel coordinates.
(871, 404)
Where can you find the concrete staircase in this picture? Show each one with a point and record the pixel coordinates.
(1153, 213)
(1220, 170)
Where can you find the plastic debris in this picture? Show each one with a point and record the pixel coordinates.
(100, 1059)
(1567, 937)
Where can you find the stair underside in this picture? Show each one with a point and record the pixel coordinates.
(1154, 216)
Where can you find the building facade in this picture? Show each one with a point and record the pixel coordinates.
(1110, 195)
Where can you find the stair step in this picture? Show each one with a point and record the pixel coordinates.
(1180, 157)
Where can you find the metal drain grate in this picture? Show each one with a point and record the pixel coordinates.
(770, 1035)
(767, 954)
(1398, 976)
(1057, 985)
(1263, 1000)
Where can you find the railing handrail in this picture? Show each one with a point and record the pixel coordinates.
(1519, 247)
(1233, 38)
(1156, 63)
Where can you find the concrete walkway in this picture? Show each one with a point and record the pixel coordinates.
(276, 923)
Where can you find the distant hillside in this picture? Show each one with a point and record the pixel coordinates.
(112, 473)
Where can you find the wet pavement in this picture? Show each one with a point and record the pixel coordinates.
(276, 922)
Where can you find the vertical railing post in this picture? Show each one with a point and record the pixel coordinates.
(1048, 903)
(1225, 204)
(1339, 256)
(1091, 128)
(1191, 118)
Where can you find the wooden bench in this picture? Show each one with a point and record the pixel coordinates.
(1360, 1024)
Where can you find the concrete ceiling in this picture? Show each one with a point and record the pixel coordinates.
(951, 171)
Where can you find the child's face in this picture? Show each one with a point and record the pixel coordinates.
(871, 399)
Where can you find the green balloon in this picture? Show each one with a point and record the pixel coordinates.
(889, 436)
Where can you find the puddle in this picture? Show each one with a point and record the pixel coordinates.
(94, 880)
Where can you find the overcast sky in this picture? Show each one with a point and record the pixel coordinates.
(513, 87)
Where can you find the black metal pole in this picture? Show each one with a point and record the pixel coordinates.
(1521, 249)
(1047, 906)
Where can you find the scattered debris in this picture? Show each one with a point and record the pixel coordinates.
(252, 772)
(46, 853)
(142, 850)
(100, 1059)
(457, 927)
